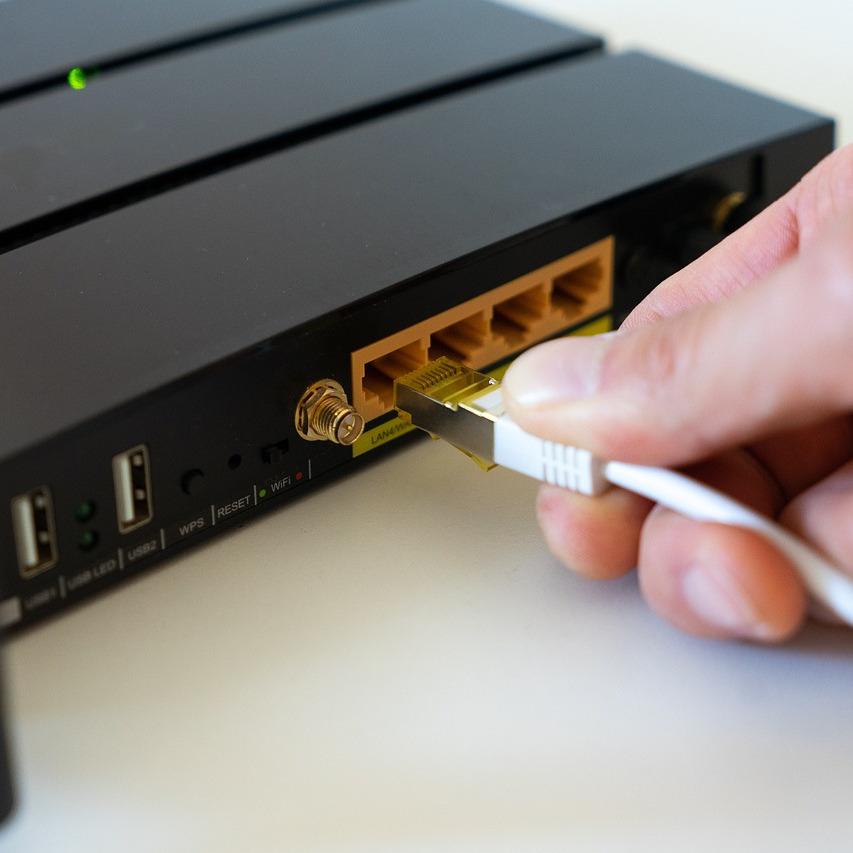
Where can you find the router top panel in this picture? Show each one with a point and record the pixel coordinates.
(116, 307)
(287, 83)
(44, 38)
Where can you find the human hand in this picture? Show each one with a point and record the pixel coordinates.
(738, 370)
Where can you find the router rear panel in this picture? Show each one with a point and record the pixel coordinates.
(189, 323)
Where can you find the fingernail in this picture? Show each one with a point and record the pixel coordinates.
(715, 596)
(556, 372)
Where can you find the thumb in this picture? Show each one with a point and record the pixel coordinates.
(776, 355)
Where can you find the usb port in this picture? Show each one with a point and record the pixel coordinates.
(35, 533)
(132, 481)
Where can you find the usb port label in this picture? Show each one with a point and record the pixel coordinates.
(132, 480)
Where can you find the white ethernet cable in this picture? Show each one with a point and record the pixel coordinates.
(465, 408)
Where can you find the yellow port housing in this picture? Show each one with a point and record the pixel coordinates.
(490, 327)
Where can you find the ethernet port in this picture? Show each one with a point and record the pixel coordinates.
(466, 341)
(575, 289)
(517, 320)
(379, 376)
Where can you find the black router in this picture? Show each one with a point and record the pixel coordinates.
(223, 235)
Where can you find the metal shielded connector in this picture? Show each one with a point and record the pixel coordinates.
(450, 401)
(466, 409)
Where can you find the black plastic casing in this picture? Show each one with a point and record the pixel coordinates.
(183, 294)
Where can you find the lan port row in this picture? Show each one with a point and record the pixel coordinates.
(491, 327)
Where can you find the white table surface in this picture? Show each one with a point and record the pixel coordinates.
(428, 678)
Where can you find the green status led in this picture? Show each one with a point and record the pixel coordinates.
(77, 78)
(84, 510)
(88, 540)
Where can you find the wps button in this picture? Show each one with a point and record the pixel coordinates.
(192, 482)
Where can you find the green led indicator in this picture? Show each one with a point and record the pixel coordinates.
(88, 540)
(262, 493)
(84, 511)
(77, 78)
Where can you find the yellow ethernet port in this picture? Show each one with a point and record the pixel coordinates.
(490, 327)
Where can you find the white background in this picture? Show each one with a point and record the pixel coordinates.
(396, 663)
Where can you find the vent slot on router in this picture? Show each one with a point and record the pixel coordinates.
(491, 326)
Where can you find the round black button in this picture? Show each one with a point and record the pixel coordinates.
(192, 481)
